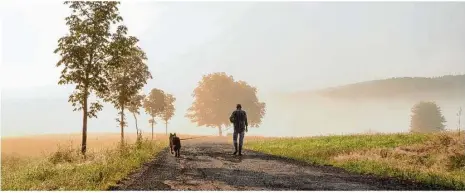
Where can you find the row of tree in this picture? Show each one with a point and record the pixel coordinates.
(156, 104)
(99, 61)
(214, 98)
(106, 64)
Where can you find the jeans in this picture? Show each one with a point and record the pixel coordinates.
(241, 138)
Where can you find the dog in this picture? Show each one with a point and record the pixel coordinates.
(175, 145)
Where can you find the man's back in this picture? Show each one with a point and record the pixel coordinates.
(239, 119)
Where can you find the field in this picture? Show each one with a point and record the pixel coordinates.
(435, 159)
(53, 162)
(42, 145)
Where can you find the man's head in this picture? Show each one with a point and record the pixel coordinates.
(238, 106)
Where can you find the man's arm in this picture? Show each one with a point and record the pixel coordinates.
(246, 123)
(231, 118)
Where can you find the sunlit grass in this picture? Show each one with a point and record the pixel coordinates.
(435, 159)
(66, 169)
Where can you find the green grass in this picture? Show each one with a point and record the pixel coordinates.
(67, 170)
(435, 159)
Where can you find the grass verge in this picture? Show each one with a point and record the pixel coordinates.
(66, 169)
(434, 159)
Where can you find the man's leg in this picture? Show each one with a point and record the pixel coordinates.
(241, 141)
(235, 142)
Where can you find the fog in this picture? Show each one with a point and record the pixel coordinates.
(278, 47)
(286, 116)
(323, 116)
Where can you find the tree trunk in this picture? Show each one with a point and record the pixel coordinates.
(153, 120)
(84, 127)
(137, 128)
(220, 132)
(84, 105)
(166, 127)
(122, 125)
(135, 118)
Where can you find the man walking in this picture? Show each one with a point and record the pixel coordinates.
(239, 120)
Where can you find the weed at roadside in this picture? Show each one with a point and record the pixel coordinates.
(66, 169)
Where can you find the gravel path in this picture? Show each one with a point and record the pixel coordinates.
(210, 166)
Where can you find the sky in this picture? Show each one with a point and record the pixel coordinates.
(275, 46)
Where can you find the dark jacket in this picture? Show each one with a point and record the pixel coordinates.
(239, 119)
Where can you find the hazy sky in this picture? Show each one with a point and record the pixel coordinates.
(276, 46)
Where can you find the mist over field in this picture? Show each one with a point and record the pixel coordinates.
(322, 116)
(280, 48)
(287, 115)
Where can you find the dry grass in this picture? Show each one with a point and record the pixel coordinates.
(41, 145)
(442, 158)
(53, 162)
(435, 159)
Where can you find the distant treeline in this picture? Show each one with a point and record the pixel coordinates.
(450, 85)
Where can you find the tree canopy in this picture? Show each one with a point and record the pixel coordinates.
(216, 97)
(426, 117)
(169, 109)
(246, 95)
(154, 105)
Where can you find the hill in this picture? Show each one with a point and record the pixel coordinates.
(450, 86)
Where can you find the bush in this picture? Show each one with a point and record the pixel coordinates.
(63, 155)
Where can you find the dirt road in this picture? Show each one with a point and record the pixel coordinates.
(210, 166)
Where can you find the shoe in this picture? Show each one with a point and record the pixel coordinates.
(235, 153)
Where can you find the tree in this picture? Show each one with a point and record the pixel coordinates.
(246, 95)
(215, 98)
(152, 121)
(169, 109)
(426, 117)
(134, 106)
(154, 105)
(129, 75)
(84, 55)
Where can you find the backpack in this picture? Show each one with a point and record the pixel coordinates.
(231, 118)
